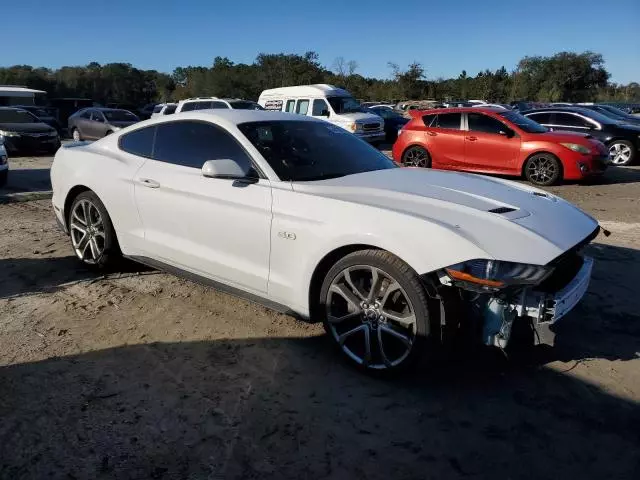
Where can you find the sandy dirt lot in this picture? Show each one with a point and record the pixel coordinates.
(139, 374)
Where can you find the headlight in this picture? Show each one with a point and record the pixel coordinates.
(576, 148)
(353, 127)
(6, 133)
(495, 274)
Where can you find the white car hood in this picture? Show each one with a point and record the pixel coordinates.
(537, 228)
(360, 117)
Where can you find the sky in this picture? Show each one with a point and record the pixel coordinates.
(446, 37)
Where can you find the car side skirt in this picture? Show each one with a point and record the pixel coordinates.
(207, 282)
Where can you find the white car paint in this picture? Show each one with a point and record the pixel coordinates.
(267, 238)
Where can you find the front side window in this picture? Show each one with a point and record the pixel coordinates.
(120, 116)
(308, 151)
(139, 142)
(485, 124)
(320, 108)
(449, 121)
(570, 120)
(529, 125)
(302, 107)
(191, 143)
(96, 116)
(543, 118)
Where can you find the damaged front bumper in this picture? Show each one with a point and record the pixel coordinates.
(541, 308)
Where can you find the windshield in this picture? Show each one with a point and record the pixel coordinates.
(344, 104)
(523, 122)
(615, 111)
(245, 105)
(304, 151)
(598, 117)
(17, 116)
(119, 116)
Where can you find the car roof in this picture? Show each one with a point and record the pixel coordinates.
(463, 110)
(321, 89)
(231, 116)
(582, 110)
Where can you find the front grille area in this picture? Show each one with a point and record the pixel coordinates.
(566, 266)
(563, 273)
(367, 127)
(29, 143)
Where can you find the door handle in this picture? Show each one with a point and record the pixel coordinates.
(147, 182)
(432, 134)
(472, 139)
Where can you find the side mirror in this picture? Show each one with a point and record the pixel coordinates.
(507, 133)
(324, 113)
(224, 168)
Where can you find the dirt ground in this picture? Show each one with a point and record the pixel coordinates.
(140, 374)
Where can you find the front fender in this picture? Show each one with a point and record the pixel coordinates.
(306, 229)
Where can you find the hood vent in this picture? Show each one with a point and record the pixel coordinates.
(501, 210)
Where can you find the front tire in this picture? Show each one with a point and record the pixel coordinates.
(375, 310)
(622, 152)
(543, 169)
(92, 235)
(416, 156)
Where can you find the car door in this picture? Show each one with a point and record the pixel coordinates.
(444, 138)
(490, 145)
(82, 122)
(98, 124)
(570, 121)
(219, 228)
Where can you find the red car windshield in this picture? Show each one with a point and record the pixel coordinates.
(523, 122)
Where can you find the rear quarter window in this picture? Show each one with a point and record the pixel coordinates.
(429, 120)
(139, 142)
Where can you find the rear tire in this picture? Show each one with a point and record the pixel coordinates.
(543, 169)
(416, 156)
(92, 235)
(375, 310)
(622, 153)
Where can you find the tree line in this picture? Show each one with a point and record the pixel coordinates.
(565, 76)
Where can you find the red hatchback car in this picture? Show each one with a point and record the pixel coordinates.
(488, 140)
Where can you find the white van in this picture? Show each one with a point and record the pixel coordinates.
(333, 104)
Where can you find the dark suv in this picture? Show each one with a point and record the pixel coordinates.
(622, 140)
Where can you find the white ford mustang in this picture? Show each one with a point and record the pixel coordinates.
(306, 218)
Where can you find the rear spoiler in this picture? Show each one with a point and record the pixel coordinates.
(416, 113)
